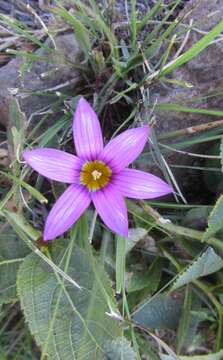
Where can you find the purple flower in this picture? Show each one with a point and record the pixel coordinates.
(98, 174)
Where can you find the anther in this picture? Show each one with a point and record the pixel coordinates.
(96, 174)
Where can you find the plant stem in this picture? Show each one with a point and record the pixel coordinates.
(181, 230)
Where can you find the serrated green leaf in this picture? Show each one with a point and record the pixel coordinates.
(119, 349)
(208, 263)
(216, 356)
(81, 326)
(161, 311)
(215, 220)
(149, 279)
(12, 253)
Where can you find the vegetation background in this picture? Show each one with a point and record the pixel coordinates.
(157, 294)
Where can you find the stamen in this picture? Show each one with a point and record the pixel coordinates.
(95, 175)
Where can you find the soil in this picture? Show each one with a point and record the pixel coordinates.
(18, 10)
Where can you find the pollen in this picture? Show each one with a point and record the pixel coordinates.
(95, 175)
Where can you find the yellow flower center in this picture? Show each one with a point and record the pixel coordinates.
(95, 175)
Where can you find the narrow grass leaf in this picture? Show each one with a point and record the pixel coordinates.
(180, 108)
(149, 15)
(221, 154)
(194, 50)
(81, 32)
(120, 263)
(53, 130)
(153, 34)
(133, 26)
(19, 29)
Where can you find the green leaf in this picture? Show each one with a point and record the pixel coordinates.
(215, 220)
(69, 323)
(119, 349)
(133, 24)
(161, 311)
(216, 356)
(12, 253)
(148, 279)
(208, 263)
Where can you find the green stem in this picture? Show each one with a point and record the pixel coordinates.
(134, 340)
(181, 230)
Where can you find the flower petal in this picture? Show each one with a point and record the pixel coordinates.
(140, 185)
(111, 207)
(68, 208)
(87, 131)
(125, 148)
(54, 164)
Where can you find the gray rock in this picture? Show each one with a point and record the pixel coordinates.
(39, 78)
(205, 73)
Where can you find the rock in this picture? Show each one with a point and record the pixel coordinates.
(205, 73)
(4, 106)
(39, 78)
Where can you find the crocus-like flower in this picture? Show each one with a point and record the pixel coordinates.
(98, 173)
